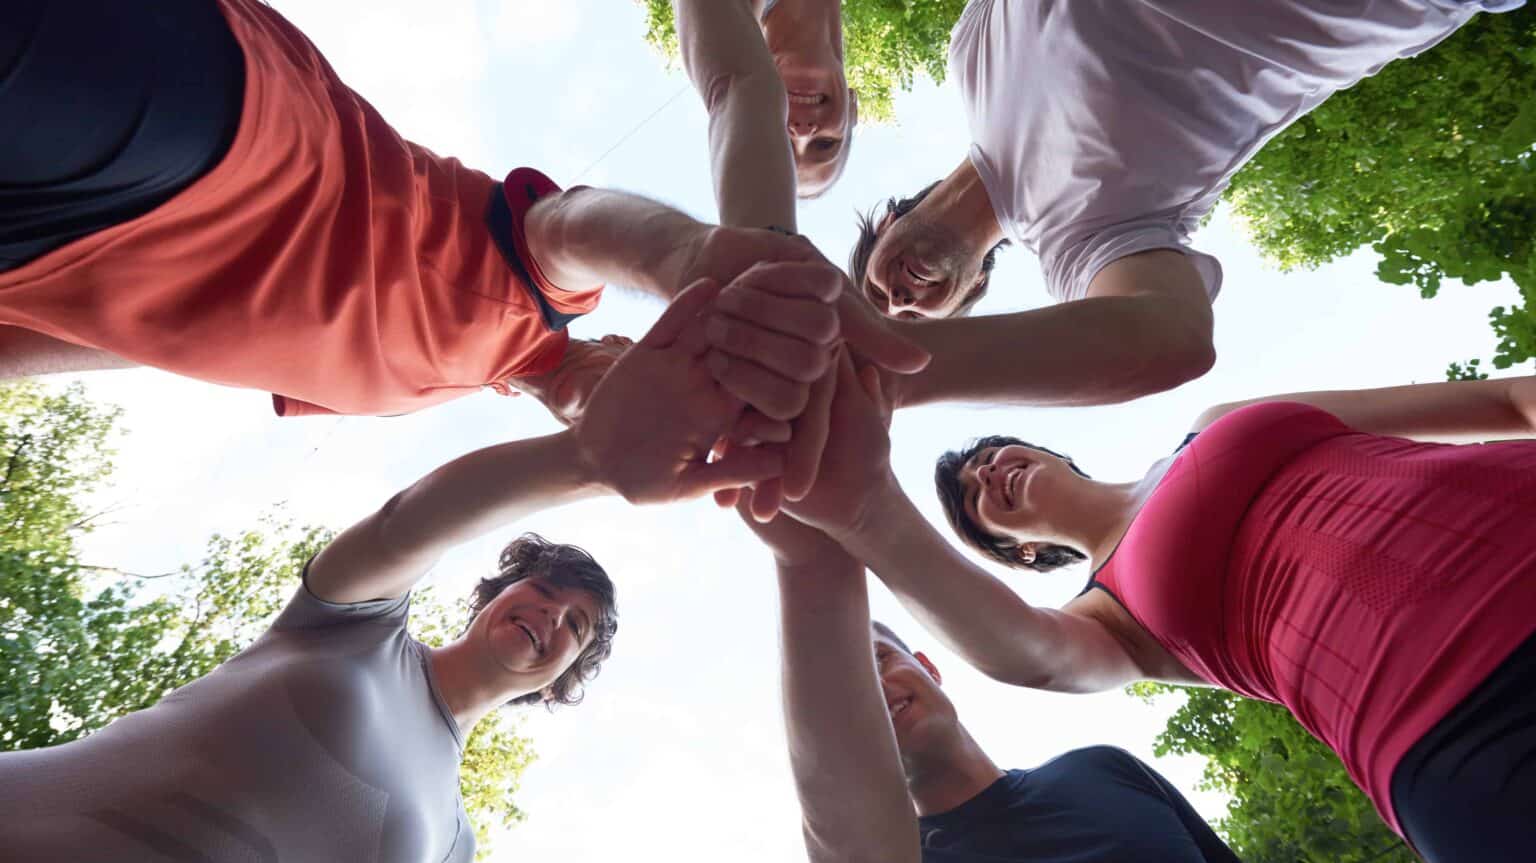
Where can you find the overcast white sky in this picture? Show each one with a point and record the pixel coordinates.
(677, 754)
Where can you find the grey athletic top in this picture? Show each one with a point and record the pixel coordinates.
(326, 740)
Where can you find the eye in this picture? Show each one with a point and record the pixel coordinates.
(823, 145)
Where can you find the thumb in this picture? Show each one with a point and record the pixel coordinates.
(876, 339)
(740, 466)
(684, 308)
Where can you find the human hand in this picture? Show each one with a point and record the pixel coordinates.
(856, 460)
(652, 420)
(769, 319)
(793, 544)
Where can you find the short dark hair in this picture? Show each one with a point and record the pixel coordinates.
(890, 634)
(946, 478)
(869, 233)
(533, 556)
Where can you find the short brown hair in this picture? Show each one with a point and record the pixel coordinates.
(533, 556)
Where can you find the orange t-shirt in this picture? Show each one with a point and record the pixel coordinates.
(325, 259)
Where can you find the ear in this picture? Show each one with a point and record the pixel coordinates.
(1027, 552)
(928, 666)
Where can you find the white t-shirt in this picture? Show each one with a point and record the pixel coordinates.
(1102, 128)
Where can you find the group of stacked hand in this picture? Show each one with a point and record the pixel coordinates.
(760, 382)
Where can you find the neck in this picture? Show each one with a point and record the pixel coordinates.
(805, 29)
(1107, 516)
(942, 780)
(960, 202)
(470, 690)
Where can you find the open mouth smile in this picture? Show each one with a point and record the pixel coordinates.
(806, 98)
(538, 643)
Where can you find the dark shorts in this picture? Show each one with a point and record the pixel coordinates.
(1466, 792)
(108, 109)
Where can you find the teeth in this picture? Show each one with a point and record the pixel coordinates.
(806, 99)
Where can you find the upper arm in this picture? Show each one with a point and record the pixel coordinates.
(1114, 648)
(1448, 410)
(366, 562)
(1168, 279)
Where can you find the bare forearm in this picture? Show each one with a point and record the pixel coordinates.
(586, 237)
(842, 750)
(977, 615)
(750, 157)
(25, 352)
(385, 553)
(1100, 350)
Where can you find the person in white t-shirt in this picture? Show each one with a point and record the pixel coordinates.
(1102, 132)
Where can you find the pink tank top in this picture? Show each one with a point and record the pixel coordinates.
(1366, 583)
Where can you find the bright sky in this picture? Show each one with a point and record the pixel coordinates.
(678, 752)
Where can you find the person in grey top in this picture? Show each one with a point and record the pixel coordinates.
(336, 736)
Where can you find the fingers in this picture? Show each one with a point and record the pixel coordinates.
(771, 394)
(766, 499)
(818, 280)
(876, 338)
(680, 313)
(783, 355)
(729, 497)
(813, 320)
(869, 380)
(738, 467)
(754, 428)
(802, 459)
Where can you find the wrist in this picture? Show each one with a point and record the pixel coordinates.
(678, 242)
(586, 471)
(879, 513)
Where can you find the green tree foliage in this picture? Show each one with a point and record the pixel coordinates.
(1291, 801)
(1431, 162)
(886, 44)
(81, 645)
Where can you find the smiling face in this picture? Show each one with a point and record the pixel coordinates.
(919, 268)
(1019, 492)
(822, 114)
(534, 630)
(922, 716)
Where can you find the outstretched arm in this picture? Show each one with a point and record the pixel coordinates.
(1145, 327)
(620, 445)
(853, 799)
(750, 156)
(977, 615)
(1449, 410)
(858, 503)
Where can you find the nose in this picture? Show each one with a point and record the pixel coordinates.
(800, 127)
(984, 474)
(902, 297)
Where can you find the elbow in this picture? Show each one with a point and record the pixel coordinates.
(762, 90)
(1177, 355)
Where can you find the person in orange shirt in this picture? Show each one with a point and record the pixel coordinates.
(192, 187)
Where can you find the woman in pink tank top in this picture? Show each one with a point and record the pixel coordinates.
(1305, 550)
(1309, 550)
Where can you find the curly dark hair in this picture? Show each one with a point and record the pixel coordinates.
(946, 478)
(533, 556)
(869, 234)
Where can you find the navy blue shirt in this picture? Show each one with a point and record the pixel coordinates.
(1094, 805)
